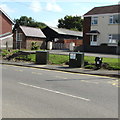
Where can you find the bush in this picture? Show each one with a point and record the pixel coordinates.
(34, 46)
(4, 52)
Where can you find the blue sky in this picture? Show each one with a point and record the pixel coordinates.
(49, 11)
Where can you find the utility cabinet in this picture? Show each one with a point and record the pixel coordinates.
(76, 59)
(42, 57)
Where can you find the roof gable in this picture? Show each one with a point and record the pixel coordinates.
(3, 12)
(104, 10)
(32, 32)
(67, 31)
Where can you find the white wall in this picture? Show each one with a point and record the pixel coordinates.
(9, 42)
(104, 28)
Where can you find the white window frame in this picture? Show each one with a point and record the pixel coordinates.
(111, 40)
(19, 36)
(94, 21)
(112, 19)
(93, 42)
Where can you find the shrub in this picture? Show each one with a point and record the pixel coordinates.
(34, 46)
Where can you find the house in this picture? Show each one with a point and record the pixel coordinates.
(100, 29)
(6, 23)
(24, 37)
(63, 36)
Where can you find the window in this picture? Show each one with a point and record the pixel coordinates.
(94, 39)
(111, 20)
(114, 38)
(94, 21)
(114, 19)
(19, 36)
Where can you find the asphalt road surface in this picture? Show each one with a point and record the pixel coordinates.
(38, 93)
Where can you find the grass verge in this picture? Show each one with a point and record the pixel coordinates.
(108, 63)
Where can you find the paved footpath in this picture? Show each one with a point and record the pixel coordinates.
(66, 68)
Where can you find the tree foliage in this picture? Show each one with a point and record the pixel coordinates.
(71, 22)
(29, 21)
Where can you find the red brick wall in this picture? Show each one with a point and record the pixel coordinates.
(77, 42)
(40, 42)
(27, 41)
(86, 29)
(6, 24)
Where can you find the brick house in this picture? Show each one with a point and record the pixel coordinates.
(6, 39)
(24, 36)
(100, 29)
(64, 36)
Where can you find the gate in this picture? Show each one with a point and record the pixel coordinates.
(61, 46)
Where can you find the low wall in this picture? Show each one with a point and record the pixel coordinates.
(102, 49)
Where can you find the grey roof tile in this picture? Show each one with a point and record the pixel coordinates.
(32, 32)
(104, 10)
(67, 32)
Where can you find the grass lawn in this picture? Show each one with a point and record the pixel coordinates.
(113, 63)
(62, 59)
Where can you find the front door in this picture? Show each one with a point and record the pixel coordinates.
(93, 41)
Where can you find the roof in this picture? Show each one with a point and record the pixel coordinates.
(67, 32)
(104, 10)
(93, 32)
(32, 32)
(6, 15)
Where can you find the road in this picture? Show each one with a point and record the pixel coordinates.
(38, 93)
(63, 52)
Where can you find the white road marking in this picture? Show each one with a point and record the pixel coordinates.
(57, 92)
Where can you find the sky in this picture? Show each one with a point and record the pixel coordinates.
(49, 11)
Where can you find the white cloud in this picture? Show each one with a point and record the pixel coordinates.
(52, 23)
(6, 8)
(90, 1)
(35, 6)
(52, 6)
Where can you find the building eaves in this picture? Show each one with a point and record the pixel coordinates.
(104, 10)
(67, 32)
(3, 12)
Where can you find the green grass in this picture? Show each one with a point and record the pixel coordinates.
(89, 59)
(113, 63)
(5, 52)
(58, 59)
(61, 59)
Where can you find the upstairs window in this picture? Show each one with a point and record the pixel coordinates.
(114, 19)
(94, 21)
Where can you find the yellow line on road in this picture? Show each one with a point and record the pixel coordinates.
(61, 77)
(36, 73)
(89, 82)
(65, 72)
(18, 70)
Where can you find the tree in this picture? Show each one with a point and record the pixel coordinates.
(29, 21)
(71, 22)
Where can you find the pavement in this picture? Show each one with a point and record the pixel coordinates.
(66, 68)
